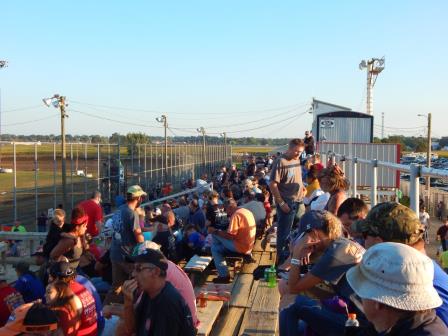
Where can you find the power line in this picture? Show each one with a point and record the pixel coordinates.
(29, 121)
(22, 108)
(183, 113)
(400, 128)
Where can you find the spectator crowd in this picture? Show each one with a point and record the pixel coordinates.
(119, 275)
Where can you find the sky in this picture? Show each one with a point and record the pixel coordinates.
(247, 68)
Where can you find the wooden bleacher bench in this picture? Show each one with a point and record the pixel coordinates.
(196, 265)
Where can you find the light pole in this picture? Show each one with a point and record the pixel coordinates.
(164, 121)
(428, 158)
(373, 66)
(224, 135)
(59, 101)
(201, 130)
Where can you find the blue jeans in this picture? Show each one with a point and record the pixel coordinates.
(220, 247)
(308, 313)
(284, 225)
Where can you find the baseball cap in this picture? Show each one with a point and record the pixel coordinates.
(61, 269)
(392, 222)
(312, 220)
(136, 191)
(150, 256)
(396, 275)
(30, 318)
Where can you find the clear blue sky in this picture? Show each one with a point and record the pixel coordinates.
(227, 66)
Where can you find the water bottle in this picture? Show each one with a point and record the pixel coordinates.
(351, 325)
(272, 277)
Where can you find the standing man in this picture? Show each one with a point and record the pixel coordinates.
(127, 234)
(288, 191)
(309, 143)
(93, 210)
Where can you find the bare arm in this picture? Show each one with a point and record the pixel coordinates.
(129, 288)
(278, 198)
(64, 245)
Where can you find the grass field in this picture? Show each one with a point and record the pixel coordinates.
(252, 149)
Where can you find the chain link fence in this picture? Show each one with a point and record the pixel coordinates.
(31, 178)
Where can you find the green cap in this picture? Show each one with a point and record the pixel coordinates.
(392, 222)
(136, 191)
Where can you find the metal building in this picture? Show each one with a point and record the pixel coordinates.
(344, 127)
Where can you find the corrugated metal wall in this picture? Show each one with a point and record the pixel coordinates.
(382, 152)
(359, 129)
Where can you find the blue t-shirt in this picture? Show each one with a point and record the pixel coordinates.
(440, 283)
(197, 218)
(196, 239)
(124, 222)
(30, 287)
(98, 305)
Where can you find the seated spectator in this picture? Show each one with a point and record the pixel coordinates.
(317, 162)
(72, 243)
(39, 260)
(351, 210)
(333, 181)
(10, 299)
(161, 310)
(32, 319)
(194, 240)
(312, 181)
(254, 206)
(202, 184)
(54, 232)
(18, 227)
(394, 222)
(338, 254)
(62, 271)
(197, 217)
(27, 284)
(239, 238)
(67, 306)
(182, 212)
(215, 215)
(395, 283)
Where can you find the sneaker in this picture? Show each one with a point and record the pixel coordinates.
(222, 280)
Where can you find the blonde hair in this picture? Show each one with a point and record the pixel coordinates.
(332, 226)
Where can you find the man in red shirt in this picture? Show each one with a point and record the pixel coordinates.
(10, 299)
(93, 210)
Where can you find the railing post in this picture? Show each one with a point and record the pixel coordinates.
(374, 183)
(355, 171)
(15, 180)
(343, 164)
(415, 187)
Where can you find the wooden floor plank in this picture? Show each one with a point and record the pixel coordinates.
(207, 316)
(249, 268)
(229, 322)
(257, 323)
(241, 290)
(267, 299)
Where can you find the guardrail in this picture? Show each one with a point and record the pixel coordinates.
(416, 171)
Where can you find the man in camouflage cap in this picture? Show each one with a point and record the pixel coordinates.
(393, 222)
(390, 222)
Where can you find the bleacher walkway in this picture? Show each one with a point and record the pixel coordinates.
(251, 309)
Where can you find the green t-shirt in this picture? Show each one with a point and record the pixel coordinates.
(19, 228)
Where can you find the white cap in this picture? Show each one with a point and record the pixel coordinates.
(396, 275)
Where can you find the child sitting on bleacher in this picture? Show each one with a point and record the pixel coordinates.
(195, 241)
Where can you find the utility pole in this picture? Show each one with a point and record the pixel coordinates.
(373, 67)
(163, 119)
(59, 101)
(428, 158)
(3, 64)
(201, 130)
(382, 125)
